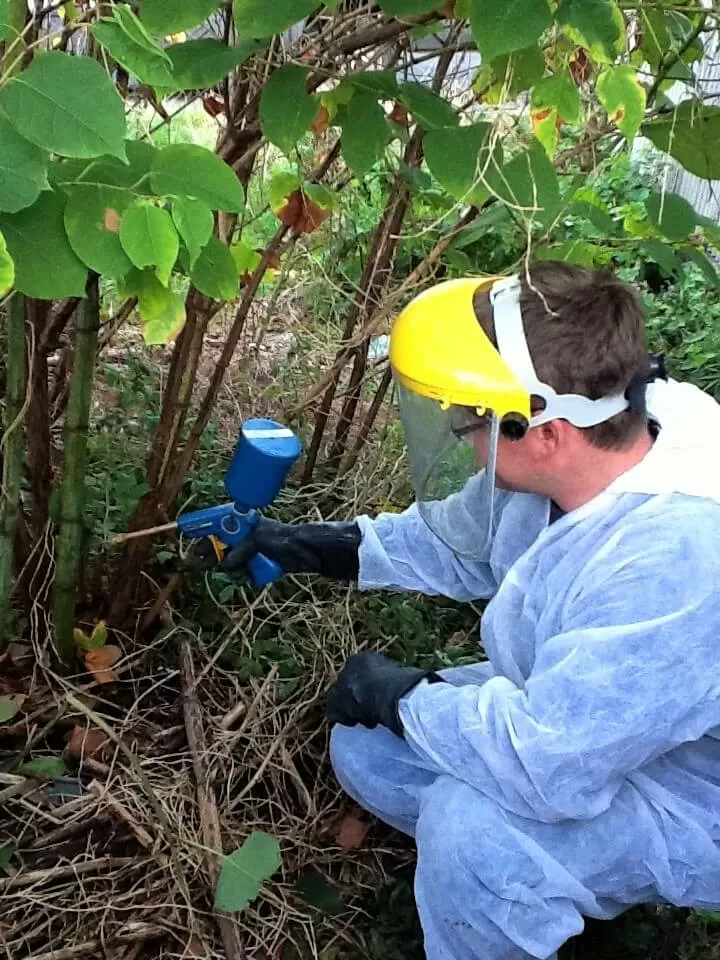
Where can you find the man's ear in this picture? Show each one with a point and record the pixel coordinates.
(548, 439)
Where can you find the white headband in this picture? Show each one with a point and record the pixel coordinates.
(512, 347)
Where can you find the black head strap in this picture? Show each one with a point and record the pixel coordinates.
(635, 393)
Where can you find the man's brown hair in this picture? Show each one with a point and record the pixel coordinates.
(585, 330)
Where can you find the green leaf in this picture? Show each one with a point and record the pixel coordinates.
(286, 110)
(165, 17)
(162, 311)
(553, 97)
(8, 709)
(187, 170)
(459, 160)
(215, 272)
(624, 98)
(702, 261)
(45, 264)
(7, 268)
(109, 171)
(318, 892)
(664, 255)
(579, 252)
(199, 64)
(151, 67)
(258, 18)
(529, 184)
(655, 36)
(4, 20)
(282, 184)
(597, 25)
(518, 71)
(67, 105)
(383, 83)
(194, 222)
(365, 133)
(6, 852)
(44, 767)
(502, 26)
(428, 109)
(244, 871)
(597, 215)
(149, 238)
(92, 222)
(408, 8)
(325, 198)
(23, 169)
(246, 259)
(135, 29)
(671, 214)
(690, 134)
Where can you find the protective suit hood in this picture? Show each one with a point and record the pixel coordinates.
(685, 457)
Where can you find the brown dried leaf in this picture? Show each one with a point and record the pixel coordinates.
(399, 115)
(99, 662)
(195, 949)
(351, 833)
(321, 120)
(85, 742)
(213, 105)
(111, 220)
(301, 214)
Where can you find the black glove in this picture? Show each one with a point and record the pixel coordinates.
(369, 689)
(330, 549)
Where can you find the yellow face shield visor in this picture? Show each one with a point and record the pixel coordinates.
(459, 394)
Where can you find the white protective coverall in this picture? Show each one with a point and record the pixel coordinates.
(577, 772)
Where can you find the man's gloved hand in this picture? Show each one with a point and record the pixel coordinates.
(369, 689)
(330, 549)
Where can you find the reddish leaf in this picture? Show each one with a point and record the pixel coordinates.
(448, 9)
(85, 742)
(399, 115)
(580, 67)
(301, 214)
(99, 663)
(213, 105)
(321, 120)
(351, 833)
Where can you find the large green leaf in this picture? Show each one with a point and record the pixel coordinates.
(151, 67)
(7, 268)
(165, 17)
(187, 170)
(597, 25)
(579, 252)
(365, 132)
(67, 105)
(23, 169)
(109, 170)
(198, 64)
(671, 214)
(427, 108)
(459, 159)
(408, 8)
(529, 184)
(664, 255)
(92, 221)
(286, 110)
(194, 222)
(215, 272)
(690, 134)
(149, 238)
(383, 83)
(656, 39)
(624, 98)
(512, 73)
(502, 26)
(136, 30)
(45, 264)
(259, 18)
(244, 871)
(701, 260)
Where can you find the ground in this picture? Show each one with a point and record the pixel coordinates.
(213, 725)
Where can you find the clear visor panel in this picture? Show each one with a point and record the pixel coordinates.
(452, 454)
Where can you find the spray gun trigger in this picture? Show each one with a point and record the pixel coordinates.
(218, 546)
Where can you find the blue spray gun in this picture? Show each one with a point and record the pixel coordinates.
(264, 455)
